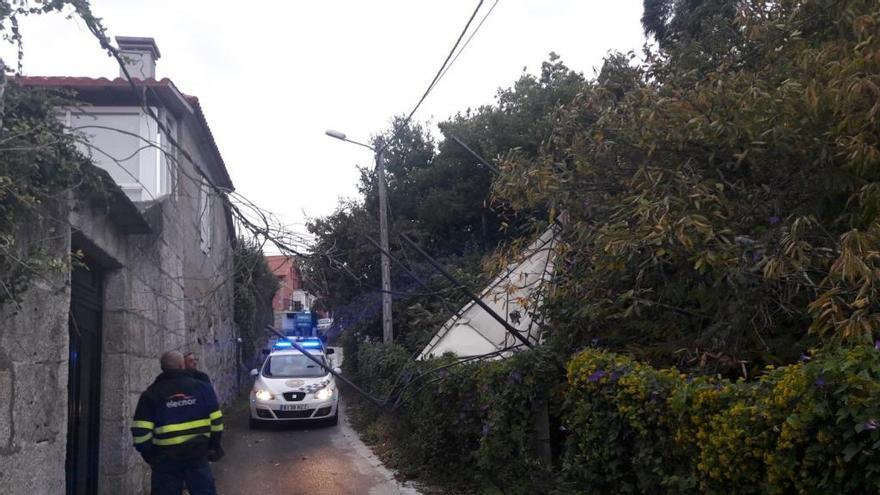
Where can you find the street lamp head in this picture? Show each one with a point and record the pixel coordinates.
(342, 137)
(335, 134)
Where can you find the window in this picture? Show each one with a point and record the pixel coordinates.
(293, 366)
(166, 166)
(112, 142)
(127, 143)
(205, 218)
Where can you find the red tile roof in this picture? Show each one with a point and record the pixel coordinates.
(94, 82)
(121, 86)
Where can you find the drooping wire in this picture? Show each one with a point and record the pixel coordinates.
(440, 72)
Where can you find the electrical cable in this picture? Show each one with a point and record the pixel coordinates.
(94, 25)
(467, 42)
(439, 73)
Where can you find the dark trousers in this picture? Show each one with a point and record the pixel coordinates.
(169, 477)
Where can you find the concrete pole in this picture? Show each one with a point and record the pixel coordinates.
(2, 92)
(541, 423)
(387, 329)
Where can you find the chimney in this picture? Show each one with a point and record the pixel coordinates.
(139, 55)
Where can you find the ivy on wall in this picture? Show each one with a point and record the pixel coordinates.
(39, 165)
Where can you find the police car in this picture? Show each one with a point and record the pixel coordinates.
(291, 387)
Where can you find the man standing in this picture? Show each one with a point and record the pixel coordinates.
(191, 363)
(177, 428)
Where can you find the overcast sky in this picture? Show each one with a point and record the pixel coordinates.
(273, 76)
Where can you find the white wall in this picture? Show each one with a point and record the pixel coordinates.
(473, 331)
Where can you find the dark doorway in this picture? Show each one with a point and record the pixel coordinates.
(84, 386)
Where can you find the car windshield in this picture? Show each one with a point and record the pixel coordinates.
(293, 366)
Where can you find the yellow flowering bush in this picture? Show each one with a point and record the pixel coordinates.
(620, 426)
(621, 439)
(811, 428)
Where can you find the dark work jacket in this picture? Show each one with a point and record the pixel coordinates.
(177, 417)
(200, 376)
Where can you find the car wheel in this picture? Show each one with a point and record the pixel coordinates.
(254, 424)
(334, 420)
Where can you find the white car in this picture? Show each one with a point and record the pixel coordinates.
(324, 324)
(291, 387)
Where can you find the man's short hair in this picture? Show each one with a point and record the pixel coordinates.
(171, 360)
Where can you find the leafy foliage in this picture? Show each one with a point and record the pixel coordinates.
(39, 163)
(468, 426)
(811, 427)
(440, 196)
(254, 287)
(39, 166)
(722, 197)
(805, 428)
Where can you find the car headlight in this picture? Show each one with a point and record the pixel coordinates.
(324, 394)
(264, 394)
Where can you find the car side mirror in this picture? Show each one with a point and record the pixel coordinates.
(254, 372)
(337, 370)
(331, 350)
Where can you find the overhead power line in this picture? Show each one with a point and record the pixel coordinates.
(467, 42)
(440, 70)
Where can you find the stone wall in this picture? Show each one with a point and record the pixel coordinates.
(208, 290)
(33, 375)
(160, 293)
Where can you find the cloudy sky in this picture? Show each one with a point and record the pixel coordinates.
(272, 76)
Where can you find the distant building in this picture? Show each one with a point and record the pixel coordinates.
(291, 296)
(156, 275)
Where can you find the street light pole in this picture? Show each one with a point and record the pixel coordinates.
(387, 327)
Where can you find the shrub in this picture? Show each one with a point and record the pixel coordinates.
(811, 427)
(471, 424)
(622, 437)
(805, 428)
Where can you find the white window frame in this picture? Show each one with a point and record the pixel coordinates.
(206, 230)
(156, 177)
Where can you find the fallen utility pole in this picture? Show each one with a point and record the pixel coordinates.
(330, 370)
(473, 297)
(407, 271)
(479, 158)
(558, 220)
(2, 92)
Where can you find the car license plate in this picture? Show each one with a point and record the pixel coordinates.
(294, 407)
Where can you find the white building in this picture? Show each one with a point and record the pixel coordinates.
(513, 295)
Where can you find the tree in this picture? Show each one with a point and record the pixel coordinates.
(440, 196)
(722, 197)
(254, 287)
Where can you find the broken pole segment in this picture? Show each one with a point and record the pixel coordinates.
(479, 158)
(409, 272)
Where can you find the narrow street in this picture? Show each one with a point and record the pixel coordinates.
(300, 458)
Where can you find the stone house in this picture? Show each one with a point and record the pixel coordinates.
(156, 275)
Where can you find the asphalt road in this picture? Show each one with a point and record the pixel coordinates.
(299, 459)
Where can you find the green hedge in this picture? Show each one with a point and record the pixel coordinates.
(804, 428)
(811, 428)
(468, 425)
